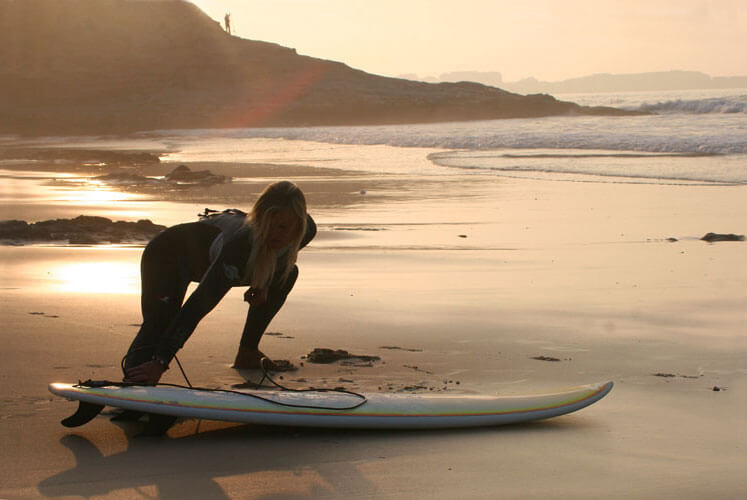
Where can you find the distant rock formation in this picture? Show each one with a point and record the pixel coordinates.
(632, 82)
(120, 66)
(82, 230)
(600, 82)
(491, 78)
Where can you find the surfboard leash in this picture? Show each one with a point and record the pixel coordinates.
(124, 372)
(363, 399)
(265, 375)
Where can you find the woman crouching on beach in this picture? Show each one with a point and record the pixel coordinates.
(261, 253)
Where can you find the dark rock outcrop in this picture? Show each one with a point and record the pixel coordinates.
(183, 175)
(714, 237)
(324, 356)
(84, 229)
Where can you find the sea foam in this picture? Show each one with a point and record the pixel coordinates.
(694, 137)
(671, 133)
(737, 104)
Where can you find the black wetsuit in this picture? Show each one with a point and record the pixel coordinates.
(181, 254)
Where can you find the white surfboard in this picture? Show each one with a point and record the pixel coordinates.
(332, 409)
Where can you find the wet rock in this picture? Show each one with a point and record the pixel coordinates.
(184, 175)
(545, 358)
(84, 239)
(326, 356)
(673, 375)
(280, 365)
(417, 369)
(413, 388)
(181, 176)
(397, 348)
(83, 229)
(714, 237)
(13, 229)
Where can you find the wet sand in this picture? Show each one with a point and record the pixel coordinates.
(469, 286)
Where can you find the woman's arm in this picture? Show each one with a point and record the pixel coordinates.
(263, 309)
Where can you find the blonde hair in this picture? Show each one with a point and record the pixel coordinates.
(263, 260)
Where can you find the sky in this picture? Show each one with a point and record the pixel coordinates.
(546, 39)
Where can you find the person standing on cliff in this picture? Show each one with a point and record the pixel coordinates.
(227, 21)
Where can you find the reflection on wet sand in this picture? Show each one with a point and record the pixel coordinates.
(101, 269)
(96, 277)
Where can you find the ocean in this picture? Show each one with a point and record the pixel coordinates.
(689, 137)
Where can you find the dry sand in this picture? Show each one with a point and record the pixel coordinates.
(470, 286)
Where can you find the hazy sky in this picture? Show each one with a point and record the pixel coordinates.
(547, 39)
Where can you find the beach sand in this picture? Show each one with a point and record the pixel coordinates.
(469, 280)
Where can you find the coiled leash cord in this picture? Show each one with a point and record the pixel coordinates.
(265, 376)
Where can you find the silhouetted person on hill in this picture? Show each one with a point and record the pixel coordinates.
(227, 20)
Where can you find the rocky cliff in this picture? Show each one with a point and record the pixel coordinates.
(118, 66)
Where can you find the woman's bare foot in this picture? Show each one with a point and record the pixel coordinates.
(252, 359)
(248, 358)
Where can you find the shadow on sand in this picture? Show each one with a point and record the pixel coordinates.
(188, 461)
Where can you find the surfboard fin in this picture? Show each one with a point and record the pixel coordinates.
(86, 412)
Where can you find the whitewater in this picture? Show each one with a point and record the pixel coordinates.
(687, 137)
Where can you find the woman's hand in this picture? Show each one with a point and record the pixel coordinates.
(148, 373)
(255, 296)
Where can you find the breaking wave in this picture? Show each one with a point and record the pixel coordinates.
(720, 105)
(671, 127)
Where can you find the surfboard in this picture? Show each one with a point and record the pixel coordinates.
(330, 409)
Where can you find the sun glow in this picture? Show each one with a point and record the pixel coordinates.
(94, 194)
(98, 277)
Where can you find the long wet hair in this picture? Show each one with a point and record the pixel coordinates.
(263, 260)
